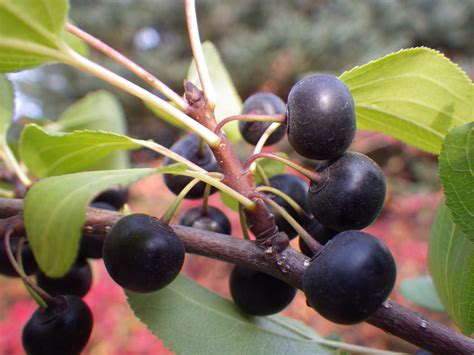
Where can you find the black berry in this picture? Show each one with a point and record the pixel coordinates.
(116, 197)
(142, 253)
(214, 220)
(77, 281)
(28, 259)
(63, 328)
(350, 194)
(259, 294)
(262, 103)
(189, 148)
(297, 189)
(350, 277)
(319, 232)
(320, 117)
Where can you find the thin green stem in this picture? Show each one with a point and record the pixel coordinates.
(177, 201)
(284, 196)
(243, 223)
(127, 63)
(249, 204)
(76, 60)
(198, 55)
(12, 164)
(280, 118)
(168, 153)
(312, 175)
(263, 139)
(48, 300)
(205, 200)
(310, 241)
(262, 175)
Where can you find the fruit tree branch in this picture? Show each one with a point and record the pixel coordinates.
(390, 317)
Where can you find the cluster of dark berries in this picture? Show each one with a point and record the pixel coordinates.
(349, 278)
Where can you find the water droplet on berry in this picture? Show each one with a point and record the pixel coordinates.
(306, 263)
(386, 305)
(89, 229)
(423, 324)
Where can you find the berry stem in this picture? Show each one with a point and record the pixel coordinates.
(280, 118)
(47, 299)
(310, 241)
(76, 60)
(198, 55)
(129, 64)
(177, 201)
(205, 200)
(169, 153)
(262, 175)
(263, 139)
(218, 185)
(312, 175)
(284, 196)
(243, 223)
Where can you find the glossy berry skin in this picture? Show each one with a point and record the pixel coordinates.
(319, 232)
(259, 294)
(321, 117)
(116, 197)
(350, 277)
(262, 103)
(142, 253)
(214, 221)
(297, 189)
(77, 281)
(350, 194)
(188, 147)
(91, 245)
(59, 329)
(28, 259)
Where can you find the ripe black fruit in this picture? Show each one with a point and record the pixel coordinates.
(91, 245)
(28, 259)
(259, 294)
(319, 232)
(189, 148)
(321, 117)
(59, 329)
(262, 103)
(297, 189)
(350, 277)
(214, 220)
(116, 197)
(350, 194)
(77, 281)
(142, 253)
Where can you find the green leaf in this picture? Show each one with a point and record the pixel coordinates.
(99, 111)
(49, 153)
(55, 212)
(77, 44)
(456, 171)
(30, 32)
(228, 100)
(420, 290)
(229, 202)
(192, 320)
(6, 104)
(451, 264)
(415, 95)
